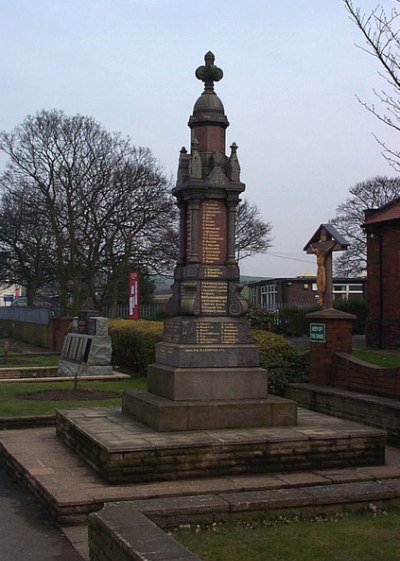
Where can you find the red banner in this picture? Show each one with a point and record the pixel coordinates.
(134, 296)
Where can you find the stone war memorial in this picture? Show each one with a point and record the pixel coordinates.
(207, 372)
(87, 349)
(207, 411)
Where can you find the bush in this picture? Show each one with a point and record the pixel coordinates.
(293, 321)
(282, 360)
(133, 343)
(359, 308)
(261, 319)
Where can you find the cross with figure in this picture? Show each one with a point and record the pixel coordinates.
(324, 241)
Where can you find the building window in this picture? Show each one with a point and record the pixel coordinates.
(345, 291)
(268, 296)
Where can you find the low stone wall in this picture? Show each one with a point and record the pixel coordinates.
(375, 411)
(28, 372)
(353, 374)
(48, 335)
(120, 532)
(133, 530)
(33, 333)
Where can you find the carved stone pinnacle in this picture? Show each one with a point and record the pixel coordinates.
(209, 73)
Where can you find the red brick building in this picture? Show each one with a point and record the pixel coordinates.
(301, 292)
(383, 267)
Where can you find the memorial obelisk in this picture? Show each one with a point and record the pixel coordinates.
(207, 373)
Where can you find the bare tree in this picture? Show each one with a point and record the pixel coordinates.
(381, 31)
(253, 234)
(100, 201)
(369, 194)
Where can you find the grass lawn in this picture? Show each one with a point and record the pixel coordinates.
(381, 357)
(11, 405)
(352, 537)
(14, 361)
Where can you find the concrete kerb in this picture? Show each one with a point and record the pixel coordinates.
(173, 503)
(136, 528)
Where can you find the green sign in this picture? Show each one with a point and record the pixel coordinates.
(317, 332)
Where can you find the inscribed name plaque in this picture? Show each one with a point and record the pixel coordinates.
(211, 333)
(213, 273)
(213, 225)
(214, 297)
(189, 233)
(229, 333)
(172, 331)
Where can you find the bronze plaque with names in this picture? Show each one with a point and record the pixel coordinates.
(213, 232)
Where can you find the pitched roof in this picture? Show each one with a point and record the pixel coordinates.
(341, 242)
(385, 213)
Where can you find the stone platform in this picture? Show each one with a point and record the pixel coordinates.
(123, 450)
(163, 414)
(374, 410)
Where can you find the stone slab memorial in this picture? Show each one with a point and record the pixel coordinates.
(87, 349)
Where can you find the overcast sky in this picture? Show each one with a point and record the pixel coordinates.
(291, 75)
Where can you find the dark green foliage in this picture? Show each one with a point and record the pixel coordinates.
(284, 362)
(261, 319)
(293, 321)
(133, 343)
(357, 307)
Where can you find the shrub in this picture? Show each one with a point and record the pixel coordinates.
(293, 321)
(261, 319)
(133, 343)
(282, 360)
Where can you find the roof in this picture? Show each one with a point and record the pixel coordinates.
(386, 213)
(341, 242)
(351, 280)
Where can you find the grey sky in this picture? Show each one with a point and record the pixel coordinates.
(291, 72)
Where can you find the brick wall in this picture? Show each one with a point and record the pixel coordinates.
(383, 323)
(121, 533)
(49, 335)
(353, 374)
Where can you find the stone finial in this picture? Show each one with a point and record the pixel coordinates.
(195, 166)
(209, 73)
(233, 164)
(183, 167)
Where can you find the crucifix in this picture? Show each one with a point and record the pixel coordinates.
(324, 241)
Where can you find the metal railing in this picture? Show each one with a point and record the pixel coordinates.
(25, 314)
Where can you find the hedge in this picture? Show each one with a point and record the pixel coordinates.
(134, 343)
(284, 362)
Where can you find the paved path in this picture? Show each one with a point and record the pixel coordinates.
(26, 534)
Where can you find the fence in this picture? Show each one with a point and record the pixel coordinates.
(43, 315)
(27, 315)
(147, 311)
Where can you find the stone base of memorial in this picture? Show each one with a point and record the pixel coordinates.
(203, 378)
